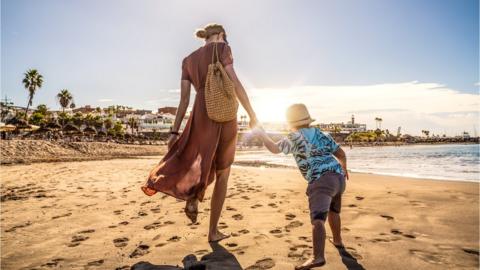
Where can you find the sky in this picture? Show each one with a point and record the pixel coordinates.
(414, 63)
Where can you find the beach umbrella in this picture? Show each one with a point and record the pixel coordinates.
(53, 126)
(7, 128)
(33, 128)
(18, 123)
(42, 130)
(90, 130)
(71, 128)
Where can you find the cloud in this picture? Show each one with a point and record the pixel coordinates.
(412, 105)
(477, 84)
(102, 100)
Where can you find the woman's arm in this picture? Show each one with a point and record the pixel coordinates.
(242, 95)
(185, 88)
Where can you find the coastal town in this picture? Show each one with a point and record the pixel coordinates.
(129, 125)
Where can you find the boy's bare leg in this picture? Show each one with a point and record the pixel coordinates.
(218, 197)
(319, 236)
(335, 225)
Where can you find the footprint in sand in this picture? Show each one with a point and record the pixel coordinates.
(471, 251)
(123, 223)
(222, 225)
(256, 206)
(352, 205)
(95, 263)
(293, 224)
(237, 217)
(87, 231)
(153, 226)
(289, 216)
(231, 208)
(118, 212)
(77, 239)
(53, 263)
(387, 217)
(155, 210)
(266, 263)
(398, 232)
(60, 216)
(140, 251)
(231, 244)
(120, 242)
(174, 238)
(244, 231)
(273, 205)
(201, 252)
(427, 256)
(142, 214)
(160, 244)
(359, 198)
(12, 229)
(245, 197)
(123, 267)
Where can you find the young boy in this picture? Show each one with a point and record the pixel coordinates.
(323, 164)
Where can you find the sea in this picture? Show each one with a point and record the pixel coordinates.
(458, 162)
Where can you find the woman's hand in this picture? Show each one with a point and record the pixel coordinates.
(171, 140)
(253, 121)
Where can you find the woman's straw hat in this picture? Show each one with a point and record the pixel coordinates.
(297, 115)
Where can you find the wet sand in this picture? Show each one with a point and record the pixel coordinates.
(93, 215)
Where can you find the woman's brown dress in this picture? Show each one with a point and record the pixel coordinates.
(204, 146)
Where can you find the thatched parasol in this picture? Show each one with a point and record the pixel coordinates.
(90, 130)
(71, 129)
(53, 126)
(18, 123)
(7, 128)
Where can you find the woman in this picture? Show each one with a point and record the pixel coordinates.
(206, 148)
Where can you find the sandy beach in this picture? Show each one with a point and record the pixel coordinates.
(93, 215)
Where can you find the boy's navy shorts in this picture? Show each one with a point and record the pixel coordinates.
(325, 194)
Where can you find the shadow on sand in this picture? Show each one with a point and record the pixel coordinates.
(348, 260)
(219, 258)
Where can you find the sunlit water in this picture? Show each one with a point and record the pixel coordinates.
(443, 162)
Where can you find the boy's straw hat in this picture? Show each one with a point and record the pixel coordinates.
(298, 115)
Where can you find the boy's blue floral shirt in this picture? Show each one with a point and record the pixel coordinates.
(313, 151)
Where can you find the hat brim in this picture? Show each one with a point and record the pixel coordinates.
(301, 122)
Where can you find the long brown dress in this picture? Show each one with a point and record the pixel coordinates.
(204, 146)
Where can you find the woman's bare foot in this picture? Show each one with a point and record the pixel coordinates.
(191, 210)
(311, 263)
(217, 236)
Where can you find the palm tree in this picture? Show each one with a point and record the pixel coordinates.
(132, 122)
(64, 98)
(32, 81)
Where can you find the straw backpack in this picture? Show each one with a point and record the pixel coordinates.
(220, 98)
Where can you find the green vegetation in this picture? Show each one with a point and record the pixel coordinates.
(32, 81)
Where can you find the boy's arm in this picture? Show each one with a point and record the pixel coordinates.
(342, 158)
(269, 144)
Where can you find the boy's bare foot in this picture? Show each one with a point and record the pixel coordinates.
(217, 236)
(191, 210)
(311, 263)
(338, 244)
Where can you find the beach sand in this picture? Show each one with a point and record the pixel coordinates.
(93, 215)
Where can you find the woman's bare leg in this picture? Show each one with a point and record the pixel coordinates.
(218, 197)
